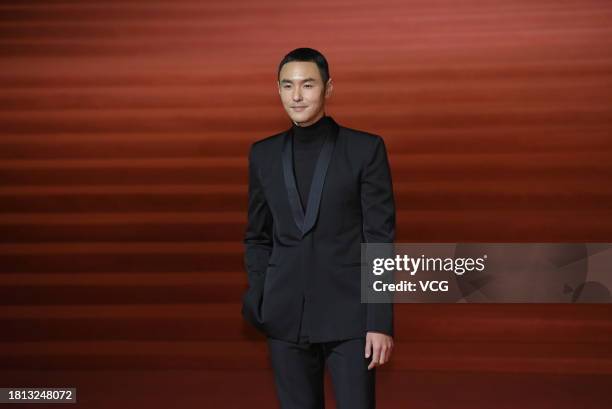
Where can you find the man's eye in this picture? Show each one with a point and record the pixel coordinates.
(308, 86)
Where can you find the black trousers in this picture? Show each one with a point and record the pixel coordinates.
(299, 373)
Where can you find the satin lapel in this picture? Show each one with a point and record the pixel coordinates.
(318, 179)
(292, 192)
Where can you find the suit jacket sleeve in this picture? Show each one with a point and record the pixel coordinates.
(378, 212)
(258, 234)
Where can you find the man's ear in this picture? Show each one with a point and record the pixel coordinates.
(329, 88)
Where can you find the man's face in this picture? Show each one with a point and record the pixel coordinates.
(302, 91)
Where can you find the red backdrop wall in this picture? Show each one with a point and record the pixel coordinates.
(124, 130)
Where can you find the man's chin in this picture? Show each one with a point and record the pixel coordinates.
(299, 119)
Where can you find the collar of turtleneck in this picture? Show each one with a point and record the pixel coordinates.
(312, 135)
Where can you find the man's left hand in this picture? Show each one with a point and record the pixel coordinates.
(380, 346)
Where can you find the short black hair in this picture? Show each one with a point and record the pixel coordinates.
(307, 54)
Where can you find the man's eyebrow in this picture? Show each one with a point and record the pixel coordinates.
(304, 80)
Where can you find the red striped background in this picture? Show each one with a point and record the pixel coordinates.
(124, 129)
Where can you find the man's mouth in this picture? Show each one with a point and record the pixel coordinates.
(299, 108)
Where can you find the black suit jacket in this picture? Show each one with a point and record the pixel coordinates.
(291, 253)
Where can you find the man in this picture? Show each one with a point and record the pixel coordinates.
(316, 192)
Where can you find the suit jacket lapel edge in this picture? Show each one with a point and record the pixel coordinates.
(289, 176)
(318, 179)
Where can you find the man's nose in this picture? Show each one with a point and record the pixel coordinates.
(297, 95)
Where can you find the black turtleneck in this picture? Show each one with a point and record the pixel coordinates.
(307, 143)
